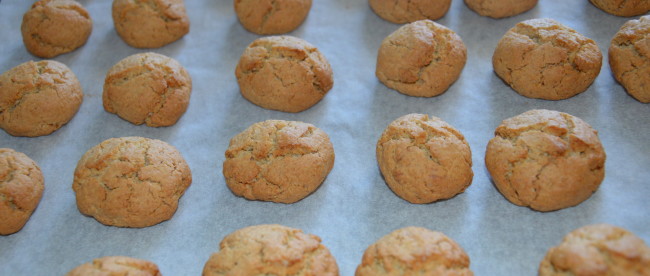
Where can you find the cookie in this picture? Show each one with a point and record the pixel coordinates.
(116, 265)
(147, 88)
(421, 59)
(414, 251)
(54, 27)
(500, 8)
(271, 249)
(278, 161)
(21, 189)
(546, 160)
(543, 59)
(598, 249)
(47, 86)
(424, 159)
(623, 7)
(269, 17)
(283, 73)
(150, 23)
(406, 11)
(629, 58)
(131, 181)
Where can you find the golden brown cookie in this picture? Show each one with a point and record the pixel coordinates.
(47, 86)
(421, 59)
(267, 17)
(406, 11)
(283, 73)
(623, 7)
(500, 8)
(546, 160)
(543, 59)
(629, 58)
(54, 27)
(131, 181)
(414, 251)
(271, 249)
(423, 159)
(147, 88)
(21, 189)
(278, 161)
(598, 249)
(150, 23)
(116, 266)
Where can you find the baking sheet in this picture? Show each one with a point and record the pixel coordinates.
(353, 207)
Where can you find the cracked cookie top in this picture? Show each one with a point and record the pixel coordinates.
(546, 160)
(623, 7)
(150, 23)
(406, 11)
(21, 188)
(543, 59)
(500, 8)
(268, 17)
(423, 159)
(116, 265)
(278, 161)
(629, 58)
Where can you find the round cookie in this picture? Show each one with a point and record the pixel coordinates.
(54, 27)
(269, 17)
(283, 73)
(116, 265)
(406, 11)
(147, 88)
(598, 249)
(546, 160)
(278, 161)
(629, 58)
(21, 189)
(500, 8)
(421, 59)
(543, 59)
(46, 86)
(271, 249)
(150, 23)
(423, 159)
(623, 7)
(131, 181)
(414, 251)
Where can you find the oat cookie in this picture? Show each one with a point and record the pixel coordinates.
(54, 27)
(283, 73)
(421, 59)
(623, 7)
(414, 251)
(131, 181)
(116, 266)
(423, 159)
(500, 8)
(47, 86)
(629, 58)
(546, 160)
(278, 161)
(147, 88)
(406, 11)
(150, 23)
(21, 189)
(268, 17)
(543, 59)
(598, 249)
(271, 249)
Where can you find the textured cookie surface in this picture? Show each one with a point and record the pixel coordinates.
(629, 58)
(116, 266)
(279, 161)
(500, 8)
(271, 250)
(405, 11)
(414, 251)
(131, 181)
(283, 73)
(267, 17)
(546, 160)
(54, 27)
(543, 59)
(147, 88)
(623, 7)
(21, 188)
(47, 86)
(150, 23)
(421, 59)
(599, 249)
(423, 159)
